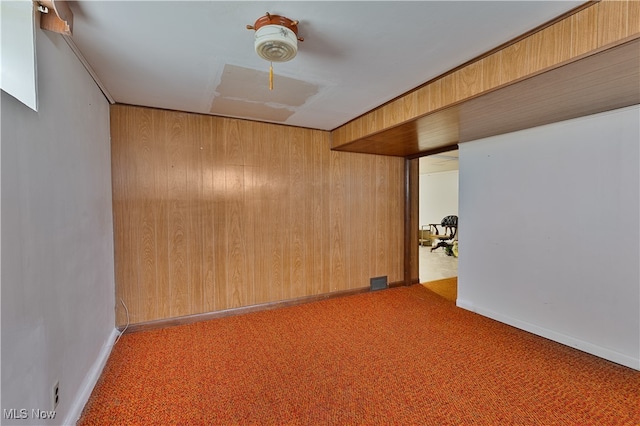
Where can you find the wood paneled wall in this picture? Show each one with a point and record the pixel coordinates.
(213, 213)
(603, 24)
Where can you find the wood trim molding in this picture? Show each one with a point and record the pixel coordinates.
(595, 27)
(190, 319)
(412, 201)
(434, 151)
(407, 221)
(58, 18)
(467, 65)
(89, 69)
(598, 82)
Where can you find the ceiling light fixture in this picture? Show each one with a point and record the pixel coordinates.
(276, 40)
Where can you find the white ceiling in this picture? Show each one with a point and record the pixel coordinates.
(198, 56)
(436, 163)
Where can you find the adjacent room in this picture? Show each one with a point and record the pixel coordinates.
(230, 212)
(437, 238)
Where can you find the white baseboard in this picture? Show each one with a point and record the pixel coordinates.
(465, 305)
(582, 345)
(90, 380)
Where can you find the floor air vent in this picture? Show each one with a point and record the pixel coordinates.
(379, 283)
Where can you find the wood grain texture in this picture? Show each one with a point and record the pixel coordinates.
(550, 46)
(220, 235)
(633, 17)
(410, 104)
(208, 161)
(448, 90)
(414, 216)
(395, 203)
(179, 283)
(338, 213)
(321, 158)
(492, 71)
(435, 95)
(212, 214)
(468, 81)
(195, 198)
(600, 24)
(147, 261)
(612, 21)
(124, 220)
(595, 83)
(362, 176)
(298, 216)
(584, 31)
(422, 101)
(516, 61)
(393, 113)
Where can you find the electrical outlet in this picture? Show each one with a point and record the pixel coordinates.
(55, 395)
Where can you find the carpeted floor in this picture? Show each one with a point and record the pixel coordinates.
(402, 356)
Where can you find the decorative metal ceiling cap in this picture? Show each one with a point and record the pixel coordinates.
(276, 38)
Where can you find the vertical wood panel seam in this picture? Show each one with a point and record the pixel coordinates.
(180, 211)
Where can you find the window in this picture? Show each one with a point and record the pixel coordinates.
(18, 51)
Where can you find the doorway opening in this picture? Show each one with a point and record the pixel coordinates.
(438, 198)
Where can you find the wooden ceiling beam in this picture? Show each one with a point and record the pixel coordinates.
(429, 117)
(597, 83)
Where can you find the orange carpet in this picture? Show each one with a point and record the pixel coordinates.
(402, 356)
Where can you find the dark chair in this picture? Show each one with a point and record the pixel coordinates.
(445, 232)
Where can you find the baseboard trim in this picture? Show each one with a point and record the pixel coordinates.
(190, 319)
(593, 349)
(90, 380)
(398, 284)
(465, 305)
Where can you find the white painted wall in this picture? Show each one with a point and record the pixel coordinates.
(57, 238)
(551, 237)
(438, 196)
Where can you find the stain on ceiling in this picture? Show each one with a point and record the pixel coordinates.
(245, 92)
(198, 56)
